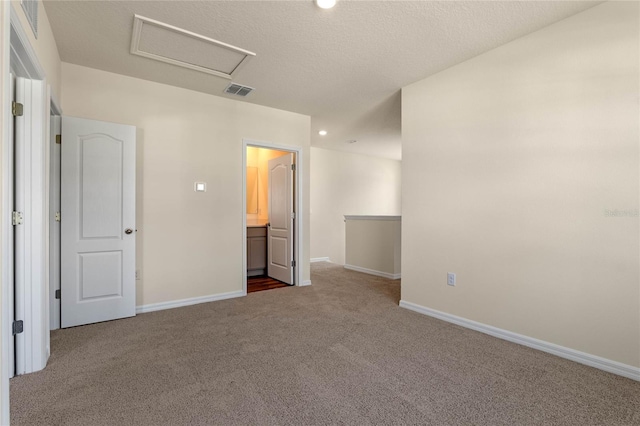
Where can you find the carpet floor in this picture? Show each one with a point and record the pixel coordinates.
(338, 352)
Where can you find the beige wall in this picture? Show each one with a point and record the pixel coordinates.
(374, 243)
(189, 244)
(348, 184)
(44, 46)
(510, 163)
(259, 157)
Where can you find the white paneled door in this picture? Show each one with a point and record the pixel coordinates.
(281, 216)
(98, 221)
(29, 265)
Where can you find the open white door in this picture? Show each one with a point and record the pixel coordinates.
(30, 296)
(8, 244)
(98, 221)
(281, 216)
(21, 147)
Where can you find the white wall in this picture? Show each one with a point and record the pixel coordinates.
(510, 163)
(188, 244)
(348, 184)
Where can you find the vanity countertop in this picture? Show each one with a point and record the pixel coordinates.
(256, 223)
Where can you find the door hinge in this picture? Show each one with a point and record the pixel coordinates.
(58, 139)
(17, 218)
(293, 167)
(293, 263)
(18, 327)
(17, 109)
(57, 296)
(57, 217)
(293, 215)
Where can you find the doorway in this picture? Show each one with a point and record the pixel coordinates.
(26, 200)
(24, 343)
(270, 227)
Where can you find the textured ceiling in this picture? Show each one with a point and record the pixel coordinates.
(344, 67)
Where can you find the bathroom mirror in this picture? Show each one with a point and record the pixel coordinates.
(252, 190)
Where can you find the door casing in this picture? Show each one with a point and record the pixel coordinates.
(19, 57)
(54, 224)
(31, 237)
(6, 279)
(298, 238)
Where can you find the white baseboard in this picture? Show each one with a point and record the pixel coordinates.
(305, 283)
(319, 259)
(561, 351)
(372, 272)
(187, 302)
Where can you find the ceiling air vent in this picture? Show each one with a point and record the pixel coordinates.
(237, 89)
(166, 43)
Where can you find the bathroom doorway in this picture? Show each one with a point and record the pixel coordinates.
(271, 225)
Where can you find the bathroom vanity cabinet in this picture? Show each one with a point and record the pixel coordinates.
(256, 250)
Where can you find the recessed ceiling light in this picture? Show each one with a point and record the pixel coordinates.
(322, 133)
(326, 4)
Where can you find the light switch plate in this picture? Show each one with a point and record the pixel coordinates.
(200, 187)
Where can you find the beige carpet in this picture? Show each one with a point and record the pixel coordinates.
(338, 352)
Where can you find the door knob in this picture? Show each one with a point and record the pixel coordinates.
(128, 231)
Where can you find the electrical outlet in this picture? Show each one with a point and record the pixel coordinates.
(451, 278)
(138, 274)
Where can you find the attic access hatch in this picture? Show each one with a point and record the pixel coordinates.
(166, 43)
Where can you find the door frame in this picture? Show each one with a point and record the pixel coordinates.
(18, 56)
(55, 123)
(30, 250)
(7, 255)
(298, 238)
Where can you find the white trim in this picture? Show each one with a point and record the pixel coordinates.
(372, 272)
(55, 105)
(355, 217)
(319, 259)
(305, 283)
(244, 218)
(23, 58)
(54, 226)
(7, 205)
(18, 55)
(298, 238)
(561, 351)
(31, 261)
(31, 15)
(46, 146)
(161, 306)
(24, 61)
